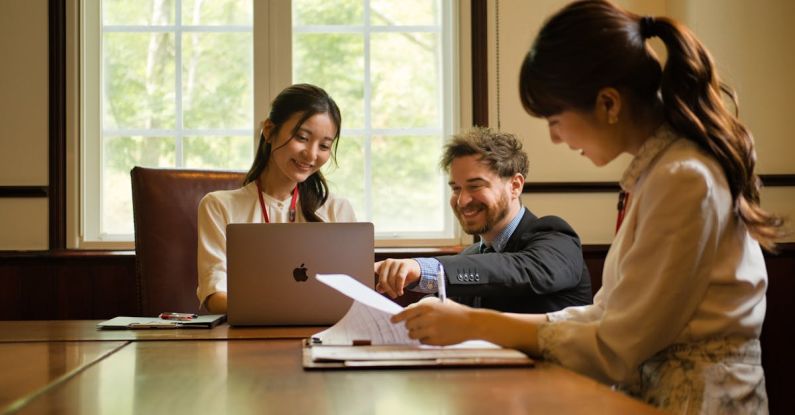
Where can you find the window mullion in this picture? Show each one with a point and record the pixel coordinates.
(367, 145)
(179, 156)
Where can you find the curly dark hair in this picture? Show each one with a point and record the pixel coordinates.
(501, 151)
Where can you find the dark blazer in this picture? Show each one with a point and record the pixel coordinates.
(541, 269)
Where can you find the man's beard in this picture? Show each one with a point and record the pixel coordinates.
(493, 216)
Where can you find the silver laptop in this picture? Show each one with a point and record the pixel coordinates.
(271, 270)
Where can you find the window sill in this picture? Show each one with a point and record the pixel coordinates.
(380, 253)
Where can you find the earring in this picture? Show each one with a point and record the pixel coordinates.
(612, 119)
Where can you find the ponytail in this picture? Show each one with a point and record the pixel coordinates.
(591, 44)
(692, 96)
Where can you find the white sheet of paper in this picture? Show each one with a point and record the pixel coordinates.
(359, 292)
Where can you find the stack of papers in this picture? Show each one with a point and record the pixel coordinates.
(365, 337)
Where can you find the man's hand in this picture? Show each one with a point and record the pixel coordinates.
(394, 274)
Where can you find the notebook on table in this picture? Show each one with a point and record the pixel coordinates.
(199, 322)
(271, 270)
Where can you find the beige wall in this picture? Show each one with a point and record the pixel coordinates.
(753, 44)
(23, 121)
(24, 224)
(751, 41)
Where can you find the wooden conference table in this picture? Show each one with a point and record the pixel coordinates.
(70, 367)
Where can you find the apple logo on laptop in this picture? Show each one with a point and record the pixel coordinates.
(300, 273)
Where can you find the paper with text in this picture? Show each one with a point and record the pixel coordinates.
(365, 324)
(368, 318)
(364, 337)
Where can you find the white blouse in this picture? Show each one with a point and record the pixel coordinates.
(683, 268)
(217, 209)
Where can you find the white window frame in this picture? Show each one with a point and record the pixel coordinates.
(448, 96)
(272, 72)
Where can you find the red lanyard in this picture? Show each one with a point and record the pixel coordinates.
(623, 205)
(265, 210)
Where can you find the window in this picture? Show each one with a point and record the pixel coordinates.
(178, 83)
(167, 97)
(390, 77)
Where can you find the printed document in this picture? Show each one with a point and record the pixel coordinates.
(366, 334)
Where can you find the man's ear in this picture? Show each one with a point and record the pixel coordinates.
(608, 105)
(517, 185)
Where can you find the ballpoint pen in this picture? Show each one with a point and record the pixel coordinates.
(441, 281)
(178, 316)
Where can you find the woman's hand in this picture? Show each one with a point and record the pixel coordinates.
(216, 303)
(438, 323)
(433, 322)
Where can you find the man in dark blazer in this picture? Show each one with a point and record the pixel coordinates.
(522, 263)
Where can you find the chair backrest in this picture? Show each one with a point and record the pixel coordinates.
(165, 210)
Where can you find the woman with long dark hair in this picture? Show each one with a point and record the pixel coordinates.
(678, 317)
(284, 183)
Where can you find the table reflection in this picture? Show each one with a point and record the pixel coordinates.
(28, 367)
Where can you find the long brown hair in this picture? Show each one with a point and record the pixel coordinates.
(592, 44)
(308, 100)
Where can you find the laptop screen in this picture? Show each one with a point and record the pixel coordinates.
(271, 270)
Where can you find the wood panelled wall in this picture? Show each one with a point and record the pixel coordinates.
(67, 285)
(73, 284)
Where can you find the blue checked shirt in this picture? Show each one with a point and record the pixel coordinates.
(429, 267)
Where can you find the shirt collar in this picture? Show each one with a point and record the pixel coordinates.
(662, 137)
(499, 242)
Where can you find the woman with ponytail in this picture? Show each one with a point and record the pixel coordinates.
(284, 183)
(677, 320)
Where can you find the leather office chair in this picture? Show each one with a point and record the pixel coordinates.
(165, 210)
